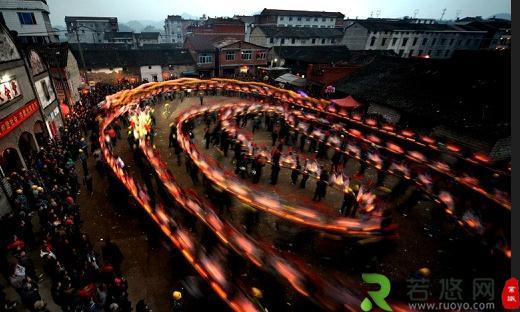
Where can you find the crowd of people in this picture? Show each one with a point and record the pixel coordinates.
(45, 224)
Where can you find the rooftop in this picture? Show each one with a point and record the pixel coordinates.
(376, 24)
(74, 18)
(300, 32)
(452, 92)
(148, 35)
(329, 54)
(301, 13)
(104, 56)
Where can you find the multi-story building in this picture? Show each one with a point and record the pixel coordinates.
(273, 36)
(29, 19)
(292, 18)
(498, 31)
(145, 38)
(25, 94)
(229, 27)
(410, 38)
(121, 37)
(89, 29)
(249, 23)
(219, 56)
(176, 28)
(64, 71)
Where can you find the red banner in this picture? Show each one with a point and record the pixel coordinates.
(12, 121)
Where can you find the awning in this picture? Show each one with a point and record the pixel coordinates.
(291, 79)
(348, 102)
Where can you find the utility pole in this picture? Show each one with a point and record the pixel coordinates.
(81, 55)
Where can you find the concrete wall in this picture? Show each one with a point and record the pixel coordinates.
(148, 73)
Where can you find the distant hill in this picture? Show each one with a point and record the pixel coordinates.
(505, 16)
(139, 25)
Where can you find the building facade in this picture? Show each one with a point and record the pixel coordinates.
(64, 71)
(293, 18)
(272, 36)
(89, 29)
(21, 116)
(145, 38)
(409, 38)
(30, 19)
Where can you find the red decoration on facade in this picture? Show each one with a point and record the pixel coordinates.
(12, 121)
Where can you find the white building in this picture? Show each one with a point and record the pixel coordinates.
(293, 18)
(89, 29)
(29, 18)
(273, 36)
(145, 38)
(411, 37)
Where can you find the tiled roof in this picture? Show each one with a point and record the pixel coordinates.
(327, 54)
(301, 13)
(300, 32)
(374, 24)
(124, 57)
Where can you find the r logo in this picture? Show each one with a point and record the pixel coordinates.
(377, 296)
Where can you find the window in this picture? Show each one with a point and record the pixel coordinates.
(290, 18)
(293, 40)
(230, 55)
(308, 19)
(401, 52)
(410, 53)
(179, 36)
(315, 26)
(424, 41)
(205, 58)
(261, 55)
(281, 18)
(414, 41)
(299, 18)
(434, 41)
(313, 41)
(45, 89)
(306, 25)
(383, 41)
(443, 41)
(149, 67)
(246, 54)
(323, 41)
(372, 41)
(315, 19)
(438, 52)
(451, 41)
(394, 41)
(333, 40)
(26, 18)
(271, 40)
(303, 41)
(331, 19)
(323, 19)
(405, 41)
(282, 41)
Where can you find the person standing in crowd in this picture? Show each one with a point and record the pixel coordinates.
(275, 170)
(207, 137)
(87, 181)
(201, 96)
(295, 171)
(112, 255)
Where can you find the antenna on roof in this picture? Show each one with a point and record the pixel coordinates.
(415, 12)
(442, 15)
(371, 13)
(457, 15)
(377, 13)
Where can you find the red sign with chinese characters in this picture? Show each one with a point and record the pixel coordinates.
(12, 121)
